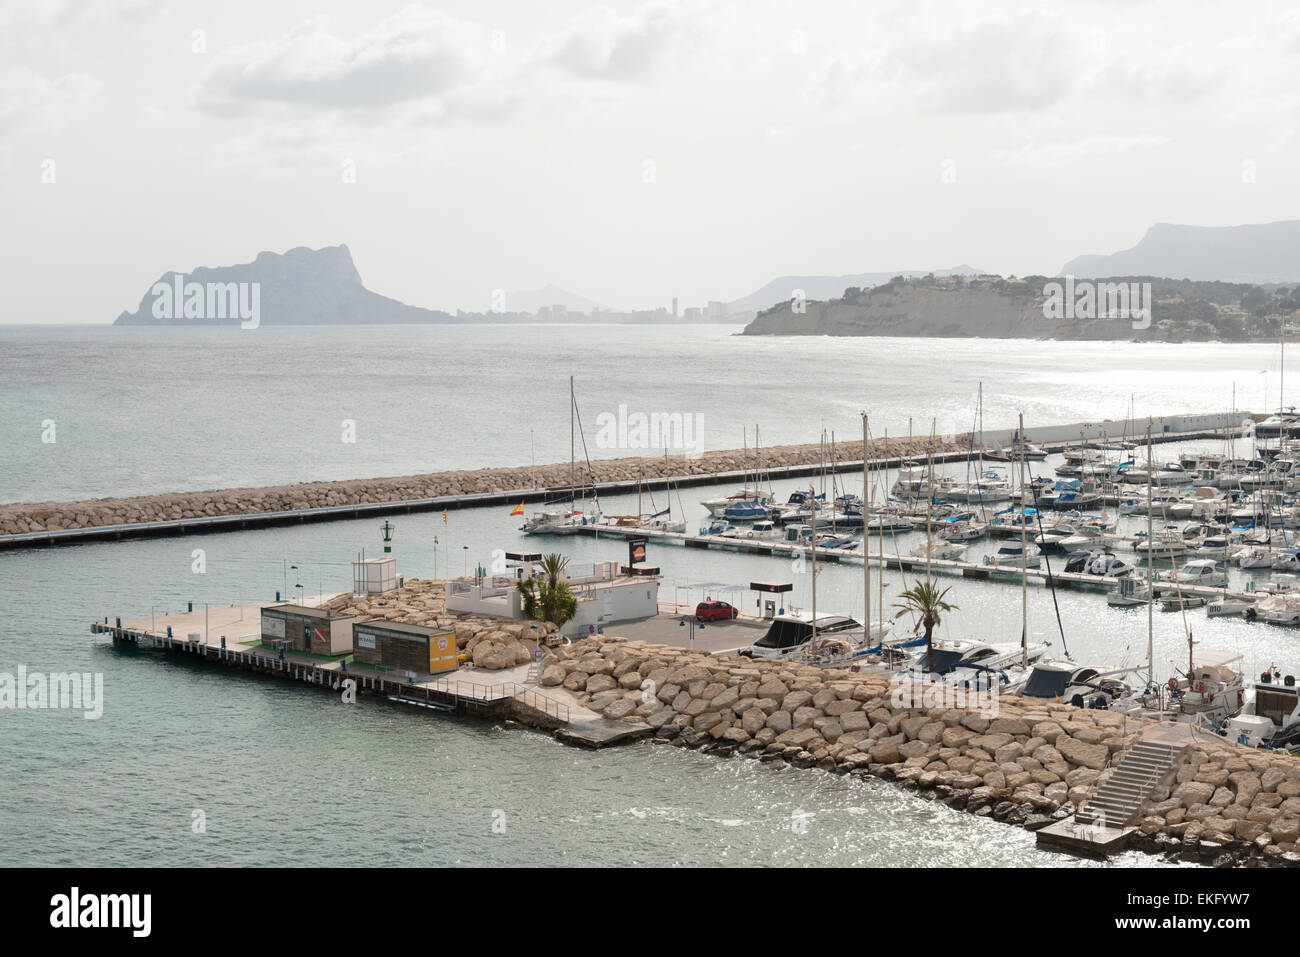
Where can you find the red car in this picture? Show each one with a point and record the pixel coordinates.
(715, 611)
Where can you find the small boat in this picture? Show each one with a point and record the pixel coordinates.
(1202, 571)
(1229, 606)
(1287, 560)
(962, 531)
(940, 550)
(1269, 715)
(1254, 556)
(749, 493)
(1181, 602)
(1276, 609)
(747, 510)
(1109, 566)
(1067, 682)
(1053, 537)
(1130, 591)
(881, 523)
(1282, 584)
(1283, 424)
(1213, 547)
(1012, 554)
(1165, 544)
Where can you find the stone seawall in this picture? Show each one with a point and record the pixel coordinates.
(20, 518)
(1032, 764)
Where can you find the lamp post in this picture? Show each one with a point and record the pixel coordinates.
(465, 552)
(692, 621)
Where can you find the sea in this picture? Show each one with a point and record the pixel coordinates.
(194, 766)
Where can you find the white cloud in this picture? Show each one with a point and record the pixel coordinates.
(416, 54)
(604, 45)
(990, 66)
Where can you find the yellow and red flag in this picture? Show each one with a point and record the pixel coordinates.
(518, 509)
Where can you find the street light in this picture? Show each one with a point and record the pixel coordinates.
(693, 621)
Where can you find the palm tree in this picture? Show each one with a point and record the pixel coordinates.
(554, 565)
(926, 602)
(549, 598)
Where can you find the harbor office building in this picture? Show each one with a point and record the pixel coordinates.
(319, 631)
(403, 647)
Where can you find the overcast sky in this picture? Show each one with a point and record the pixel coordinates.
(628, 152)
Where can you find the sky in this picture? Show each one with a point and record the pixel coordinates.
(627, 152)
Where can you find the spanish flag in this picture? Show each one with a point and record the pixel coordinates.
(518, 509)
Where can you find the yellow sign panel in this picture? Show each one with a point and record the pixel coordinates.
(442, 653)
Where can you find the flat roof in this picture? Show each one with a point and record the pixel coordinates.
(524, 556)
(304, 611)
(401, 627)
(771, 586)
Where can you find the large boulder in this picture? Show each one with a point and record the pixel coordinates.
(1082, 754)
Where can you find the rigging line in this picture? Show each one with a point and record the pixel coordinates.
(1047, 560)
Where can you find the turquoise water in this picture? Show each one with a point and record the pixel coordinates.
(286, 775)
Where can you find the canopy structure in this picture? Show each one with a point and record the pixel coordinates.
(1209, 658)
(771, 587)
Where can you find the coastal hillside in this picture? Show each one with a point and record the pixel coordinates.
(1261, 253)
(826, 287)
(1009, 308)
(300, 287)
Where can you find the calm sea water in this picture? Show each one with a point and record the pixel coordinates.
(139, 410)
(284, 775)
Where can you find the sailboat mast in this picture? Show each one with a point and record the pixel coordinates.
(866, 546)
(1151, 574)
(813, 540)
(573, 448)
(1024, 555)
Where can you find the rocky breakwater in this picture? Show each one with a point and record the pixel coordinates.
(1030, 765)
(21, 518)
(489, 642)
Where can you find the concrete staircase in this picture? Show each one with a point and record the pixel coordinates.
(1116, 803)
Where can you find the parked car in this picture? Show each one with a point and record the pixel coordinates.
(715, 611)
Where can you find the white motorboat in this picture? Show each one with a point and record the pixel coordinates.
(962, 531)
(1068, 682)
(941, 550)
(750, 493)
(1254, 556)
(1012, 554)
(1130, 591)
(1269, 715)
(1229, 606)
(792, 635)
(1276, 610)
(1202, 571)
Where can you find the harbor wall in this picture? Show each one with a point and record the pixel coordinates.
(1026, 762)
(31, 523)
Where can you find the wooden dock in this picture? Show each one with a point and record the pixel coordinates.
(909, 564)
(478, 694)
